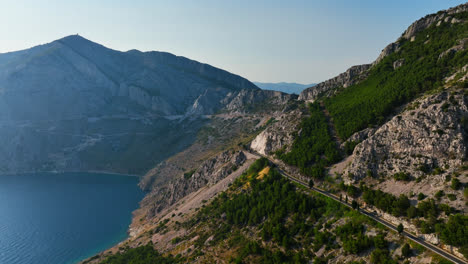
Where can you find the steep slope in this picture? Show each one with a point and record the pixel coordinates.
(76, 105)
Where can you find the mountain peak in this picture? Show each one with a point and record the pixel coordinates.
(77, 40)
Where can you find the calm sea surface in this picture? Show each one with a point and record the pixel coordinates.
(63, 218)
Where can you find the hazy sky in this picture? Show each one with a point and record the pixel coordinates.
(271, 41)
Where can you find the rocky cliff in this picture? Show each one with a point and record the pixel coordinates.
(279, 135)
(210, 172)
(329, 87)
(432, 135)
(258, 101)
(427, 142)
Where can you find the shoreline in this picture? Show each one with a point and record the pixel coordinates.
(72, 171)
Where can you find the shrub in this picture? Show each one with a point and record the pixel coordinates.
(456, 184)
(405, 251)
(402, 176)
(452, 197)
(439, 194)
(421, 196)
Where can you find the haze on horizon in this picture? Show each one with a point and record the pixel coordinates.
(304, 41)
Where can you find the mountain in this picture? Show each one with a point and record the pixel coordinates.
(73, 104)
(383, 142)
(290, 88)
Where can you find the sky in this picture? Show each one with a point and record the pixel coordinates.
(304, 41)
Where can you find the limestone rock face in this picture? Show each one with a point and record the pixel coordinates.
(389, 49)
(210, 172)
(432, 135)
(329, 87)
(279, 135)
(247, 100)
(428, 20)
(360, 136)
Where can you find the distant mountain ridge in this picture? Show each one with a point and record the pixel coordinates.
(285, 87)
(73, 104)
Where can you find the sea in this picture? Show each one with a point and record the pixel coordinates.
(60, 218)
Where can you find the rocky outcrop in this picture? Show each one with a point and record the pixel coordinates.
(279, 135)
(256, 101)
(430, 136)
(329, 87)
(389, 49)
(359, 136)
(427, 21)
(462, 44)
(210, 172)
(410, 33)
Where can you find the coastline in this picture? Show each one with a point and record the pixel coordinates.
(117, 241)
(72, 171)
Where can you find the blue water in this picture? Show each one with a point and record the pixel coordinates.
(63, 218)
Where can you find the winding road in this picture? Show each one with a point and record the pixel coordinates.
(389, 225)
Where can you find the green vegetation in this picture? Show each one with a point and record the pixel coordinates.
(421, 196)
(389, 203)
(141, 255)
(439, 194)
(451, 196)
(354, 240)
(455, 232)
(291, 222)
(400, 228)
(456, 184)
(402, 176)
(401, 206)
(189, 173)
(313, 148)
(349, 146)
(373, 100)
(405, 251)
(382, 256)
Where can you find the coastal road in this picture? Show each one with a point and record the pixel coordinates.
(389, 225)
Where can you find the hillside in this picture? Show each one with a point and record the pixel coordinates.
(388, 138)
(264, 218)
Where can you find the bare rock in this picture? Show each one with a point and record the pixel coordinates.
(360, 136)
(352, 76)
(210, 172)
(422, 139)
(398, 63)
(279, 135)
